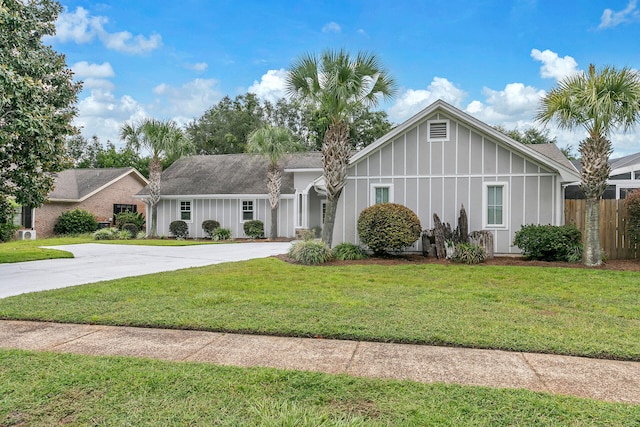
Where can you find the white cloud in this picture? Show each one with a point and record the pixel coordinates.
(612, 19)
(80, 27)
(94, 76)
(512, 107)
(188, 101)
(331, 27)
(412, 101)
(84, 69)
(198, 67)
(363, 33)
(271, 86)
(102, 114)
(124, 41)
(553, 66)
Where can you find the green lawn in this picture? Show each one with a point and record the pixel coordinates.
(592, 313)
(45, 389)
(30, 250)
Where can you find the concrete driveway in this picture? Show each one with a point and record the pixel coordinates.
(94, 262)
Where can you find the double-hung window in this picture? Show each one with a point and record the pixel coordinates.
(185, 210)
(495, 204)
(247, 210)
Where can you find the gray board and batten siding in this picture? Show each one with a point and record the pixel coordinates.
(220, 187)
(444, 161)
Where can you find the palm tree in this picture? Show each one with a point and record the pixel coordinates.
(338, 83)
(164, 139)
(272, 142)
(599, 101)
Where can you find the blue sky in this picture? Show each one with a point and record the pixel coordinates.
(493, 59)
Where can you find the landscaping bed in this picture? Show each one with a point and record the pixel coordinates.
(515, 260)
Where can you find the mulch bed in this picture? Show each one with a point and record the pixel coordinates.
(622, 265)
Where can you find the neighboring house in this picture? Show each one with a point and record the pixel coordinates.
(103, 192)
(624, 178)
(230, 189)
(436, 161)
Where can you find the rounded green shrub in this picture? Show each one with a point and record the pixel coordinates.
(310, 252)
(106, 234)
(179, 229)
(221, 234)
(77, 221)
(254, 229)
(209, 226)
(131, 228)
(129, 217)
(7, 227)
(388, 227)
(549, 242)
(125, 235)
(348, 251)
(468, 253)
(632, 203)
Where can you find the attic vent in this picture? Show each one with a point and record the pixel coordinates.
(438, 130)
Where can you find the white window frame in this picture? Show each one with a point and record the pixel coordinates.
(374, 187)
(448, 129)
(505, 204)
(180, 211)
(242, 211)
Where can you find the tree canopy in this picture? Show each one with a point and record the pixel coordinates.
(225, 127)
(37, 101)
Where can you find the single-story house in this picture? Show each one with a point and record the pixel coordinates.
(103, 192)
(623, 179)
(435, 162)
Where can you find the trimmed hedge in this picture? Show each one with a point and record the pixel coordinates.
(388, 227)
(550, 242)
(179, 229)
(209, 226)
(77, 221)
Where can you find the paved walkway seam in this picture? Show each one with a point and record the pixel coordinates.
(535, 371)
(353, 356)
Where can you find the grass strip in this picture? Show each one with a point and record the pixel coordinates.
(31, 250)
(44, 389)
(593, 313)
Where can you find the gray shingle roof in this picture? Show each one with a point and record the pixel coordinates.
(77, 184)
(229, 174)
(553, 152)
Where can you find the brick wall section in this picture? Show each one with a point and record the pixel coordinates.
(100, 205)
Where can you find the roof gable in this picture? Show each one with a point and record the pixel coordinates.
(549, 157)
(77, 185)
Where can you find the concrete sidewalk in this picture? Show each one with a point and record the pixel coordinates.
(607, 380)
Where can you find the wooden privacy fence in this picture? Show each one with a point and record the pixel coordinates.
(613, 221)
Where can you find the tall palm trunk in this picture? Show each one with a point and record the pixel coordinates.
(274, 181)
(335, 160)
(595, 152)
(155, 169)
